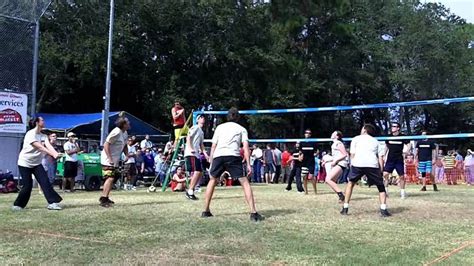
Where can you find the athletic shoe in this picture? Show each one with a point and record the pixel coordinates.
(54, 207)
(344, 211)
(341, 198)
(17, 208)
(301, 192)
(435, 187)
(206, 214)
(104, 202)
(287, 189)
(191, 197)
(385, 213)
(256, 217)
(423, 189)
(110, 201)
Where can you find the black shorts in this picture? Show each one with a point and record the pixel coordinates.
(193, 164)
(374, 176)
(231, 164)
(398, 165)
(70, 169)
(310, 167)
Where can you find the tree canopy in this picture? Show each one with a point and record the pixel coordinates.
(262, 55)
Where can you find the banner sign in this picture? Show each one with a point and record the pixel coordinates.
(13, 116)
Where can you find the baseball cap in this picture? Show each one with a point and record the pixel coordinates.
(71, 134)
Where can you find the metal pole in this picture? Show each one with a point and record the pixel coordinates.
(35, 71)
(105, 113)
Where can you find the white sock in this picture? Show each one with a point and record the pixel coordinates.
(191, 191)
(346, 205)
(402, 192)
(383, 206)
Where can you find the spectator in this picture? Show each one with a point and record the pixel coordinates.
(148, 166)
(286, 163)
(439, 168)
(269, 164)
(178, 182)
(459, 166)
(130, 167)
(277, 154)
(449, 162)
(71, 149)
(469, 167)
(49, 163)
(257, 155)
(161, 166)
(146, 143)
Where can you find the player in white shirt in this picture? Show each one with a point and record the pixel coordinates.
(366, 160)
(338, 163)
(115, 144)
(225, 156)
(35, 145)
(194, 144)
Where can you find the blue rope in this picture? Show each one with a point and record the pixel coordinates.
(415, 137)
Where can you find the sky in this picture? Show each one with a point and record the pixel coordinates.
(462, 8)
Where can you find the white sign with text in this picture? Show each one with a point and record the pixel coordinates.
(13, 116)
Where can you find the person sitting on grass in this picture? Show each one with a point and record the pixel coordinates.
(178, 182)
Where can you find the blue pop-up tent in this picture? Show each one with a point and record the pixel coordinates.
(88, 125)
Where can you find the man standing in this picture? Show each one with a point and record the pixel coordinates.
(257, 155)
(286, 163)
(146, 143)
(194, 144)
(114, 145)
(225, 156)
(50, 163)
(269, 164)
(179, 120)
(71, 149)
(366, 161)
(277, 154)
(395, 149)
(308, 149)
(425, 154)
(297, 158)
(130, 167)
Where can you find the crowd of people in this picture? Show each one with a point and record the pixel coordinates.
(231, 156)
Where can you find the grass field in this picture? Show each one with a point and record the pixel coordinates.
(165, 228)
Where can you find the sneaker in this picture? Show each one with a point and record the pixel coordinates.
(17, 208)
(54, 207)
(385, 213)
(435, 187)
(134, 188)
(287, 189)
(423, 189)
(191, 197)
(344, 211)
(197, 190)
(103, 201)
(110, 201)
(341, 198)
(301, 192)
(206, 214)
(256, 217)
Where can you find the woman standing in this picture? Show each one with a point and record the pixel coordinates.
(469, 167)
(35, 145)
(338, 164)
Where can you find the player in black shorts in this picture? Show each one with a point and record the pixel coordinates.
(366, 162)
(225, 156)
(394, 160)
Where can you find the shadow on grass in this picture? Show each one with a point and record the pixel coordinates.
(278, 212)
(117, 205)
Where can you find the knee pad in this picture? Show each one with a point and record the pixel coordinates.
(381, 188)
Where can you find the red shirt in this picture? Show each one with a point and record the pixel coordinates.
(180, 120)
(285, 158)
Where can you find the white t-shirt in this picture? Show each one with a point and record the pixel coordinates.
(257, 153)
(336, 153)
(228, 137)
(29, 155)
(469, 160)
(131, 149)
(117, 139)
(366, 150)
(146, 144)
(327, 159)
(197, 137)
(69, 146)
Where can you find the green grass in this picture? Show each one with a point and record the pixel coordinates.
(151, 228)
